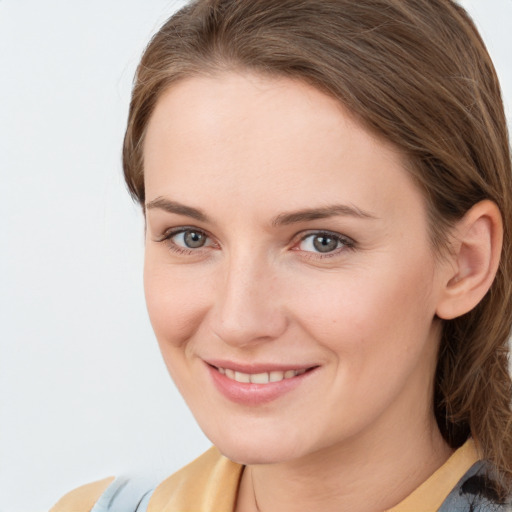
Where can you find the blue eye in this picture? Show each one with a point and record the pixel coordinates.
(323, 243)
(189, 239)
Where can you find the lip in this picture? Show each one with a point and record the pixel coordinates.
(255, 394)
(256, 367)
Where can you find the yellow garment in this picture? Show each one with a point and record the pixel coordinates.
(210, 484)
(429, 496)
(83, 498)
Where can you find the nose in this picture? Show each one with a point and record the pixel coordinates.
(248, 305)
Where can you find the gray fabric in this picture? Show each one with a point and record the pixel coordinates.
(124, 495)
(474, 493)
(143, 505)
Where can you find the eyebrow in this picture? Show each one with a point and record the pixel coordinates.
(283, 219)
(178, 208)
(321, 213)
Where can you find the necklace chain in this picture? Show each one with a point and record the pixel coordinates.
(254, 493)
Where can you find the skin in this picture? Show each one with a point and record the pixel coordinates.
(358, 433)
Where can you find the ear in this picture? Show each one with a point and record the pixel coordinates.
(473, 260)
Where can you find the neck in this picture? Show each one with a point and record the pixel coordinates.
(363, 475)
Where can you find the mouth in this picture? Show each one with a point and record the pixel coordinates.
(257, 384)
(262, 377)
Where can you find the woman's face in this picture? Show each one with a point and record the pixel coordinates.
(288, 274)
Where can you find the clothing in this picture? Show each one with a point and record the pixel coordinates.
(210, 484)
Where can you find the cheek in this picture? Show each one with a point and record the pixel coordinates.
(176, 302)
(384, 308)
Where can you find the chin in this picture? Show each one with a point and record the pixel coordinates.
(247, 455)
(257, 449)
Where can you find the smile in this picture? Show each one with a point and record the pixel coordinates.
(260, 378)
(257, 384)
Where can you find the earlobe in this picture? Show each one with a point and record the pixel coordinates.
(474, 260)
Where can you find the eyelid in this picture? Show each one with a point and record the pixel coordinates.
(170, 232)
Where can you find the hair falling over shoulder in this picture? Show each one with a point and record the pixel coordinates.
(417, 73)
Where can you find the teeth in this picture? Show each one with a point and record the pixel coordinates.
(276, 376)
(242, 377)
(260, 378)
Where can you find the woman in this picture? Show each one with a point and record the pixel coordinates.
(328, 200)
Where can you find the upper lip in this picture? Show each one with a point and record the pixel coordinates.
(252, 368)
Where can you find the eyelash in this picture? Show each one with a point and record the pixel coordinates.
(345, 242)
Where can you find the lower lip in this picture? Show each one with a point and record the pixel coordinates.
(254, 394)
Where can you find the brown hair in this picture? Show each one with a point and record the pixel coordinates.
(417, 73)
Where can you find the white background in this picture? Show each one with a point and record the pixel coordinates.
(83, 391)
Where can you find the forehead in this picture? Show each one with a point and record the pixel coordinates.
(255, 138)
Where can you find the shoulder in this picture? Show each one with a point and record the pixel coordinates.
(475, 492)
(83, 498)
(209, 483)
(107, 495)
